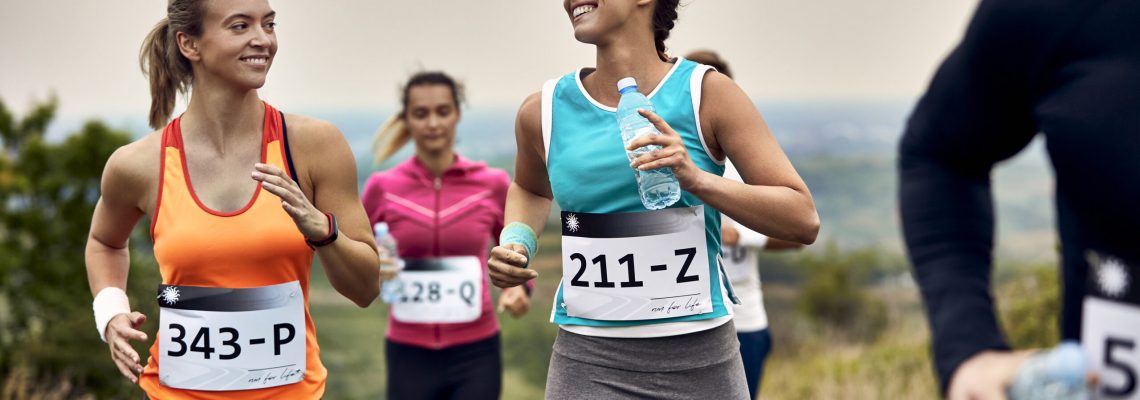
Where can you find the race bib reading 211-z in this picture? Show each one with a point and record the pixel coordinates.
(1110, 329)
(635, 266)
(231, 339)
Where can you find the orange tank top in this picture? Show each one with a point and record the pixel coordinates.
(258, 245)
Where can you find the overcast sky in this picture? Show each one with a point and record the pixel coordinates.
(352, 54)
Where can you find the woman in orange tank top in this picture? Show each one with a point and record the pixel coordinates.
(236, 218)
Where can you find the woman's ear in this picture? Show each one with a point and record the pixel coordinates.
(188, 46)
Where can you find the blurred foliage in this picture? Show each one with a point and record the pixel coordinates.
(1029, 307)
(48, 191)
(833, 292)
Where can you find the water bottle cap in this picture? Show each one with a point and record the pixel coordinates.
(626, 82)
(380, 229)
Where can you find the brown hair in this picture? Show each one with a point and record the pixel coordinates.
(393, 134)
(664, 17)
(710, 58)
(162, 62)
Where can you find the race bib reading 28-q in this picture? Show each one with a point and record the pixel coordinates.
(440, 290)
(1110, 329)
(635, 266)
(231, 339)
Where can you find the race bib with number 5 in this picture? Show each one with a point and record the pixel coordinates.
(1110, 329)
(635, 266)
(220, 339)
(440, 290)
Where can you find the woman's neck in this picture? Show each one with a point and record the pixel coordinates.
(437, 161)
(628, 55)
(221, 115)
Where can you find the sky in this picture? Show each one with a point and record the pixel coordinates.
(353, 54)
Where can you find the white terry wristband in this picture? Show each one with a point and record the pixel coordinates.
(110, 301)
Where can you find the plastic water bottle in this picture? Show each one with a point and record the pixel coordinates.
(392, 289)
(1057, 374)
(658, 187)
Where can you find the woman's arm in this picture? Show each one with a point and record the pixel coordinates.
(528, 199)
(773, 200)
(350, 262)
(122, 191)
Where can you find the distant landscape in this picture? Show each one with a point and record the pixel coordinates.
(845, 151)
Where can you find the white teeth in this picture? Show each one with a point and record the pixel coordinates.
(582, 10)
(257, 60)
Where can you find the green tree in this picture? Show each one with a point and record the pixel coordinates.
(48, 191)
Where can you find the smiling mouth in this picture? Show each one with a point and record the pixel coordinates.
(256, 60)
(582, 10)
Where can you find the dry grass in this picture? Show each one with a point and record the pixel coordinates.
(20, 384)
(810, 362)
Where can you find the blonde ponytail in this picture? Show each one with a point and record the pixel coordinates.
(390, 138)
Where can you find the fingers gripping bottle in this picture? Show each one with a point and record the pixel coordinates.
(658, 187)
(392, 289)
(1057, 374)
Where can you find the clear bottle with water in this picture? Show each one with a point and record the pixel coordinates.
(1056, 374)
(392, 288)
(658, 187)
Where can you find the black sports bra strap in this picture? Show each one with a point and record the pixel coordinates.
(288, 151)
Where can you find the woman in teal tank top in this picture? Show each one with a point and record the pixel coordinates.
(642, 304)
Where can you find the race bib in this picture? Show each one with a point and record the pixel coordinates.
(439, 290)
(736, 263)
(1110, 330)
(635, 266)
(231, 339)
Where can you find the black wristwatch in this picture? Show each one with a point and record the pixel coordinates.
(334, 231)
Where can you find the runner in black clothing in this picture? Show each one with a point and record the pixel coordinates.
(1070, 70)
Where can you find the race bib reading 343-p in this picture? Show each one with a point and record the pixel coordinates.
(1110, 329)
(231, 339)
(635, 266)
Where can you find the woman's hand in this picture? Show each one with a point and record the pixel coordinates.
(514, 300)
(986, 375)
(389, 264)
(672, 153)
(120, 331)
(507, 266)
(312, 223)
(729, 235)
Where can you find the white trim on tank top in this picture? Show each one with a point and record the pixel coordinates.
(581, 88)
(695, 82)
(547, 115)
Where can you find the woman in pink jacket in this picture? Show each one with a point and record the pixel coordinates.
(443, 210)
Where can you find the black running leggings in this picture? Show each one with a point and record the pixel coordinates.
(467, 371)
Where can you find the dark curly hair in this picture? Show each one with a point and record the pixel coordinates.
(664, 17)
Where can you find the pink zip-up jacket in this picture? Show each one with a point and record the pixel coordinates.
(459, 213)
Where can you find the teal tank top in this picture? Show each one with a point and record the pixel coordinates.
(589, 172)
